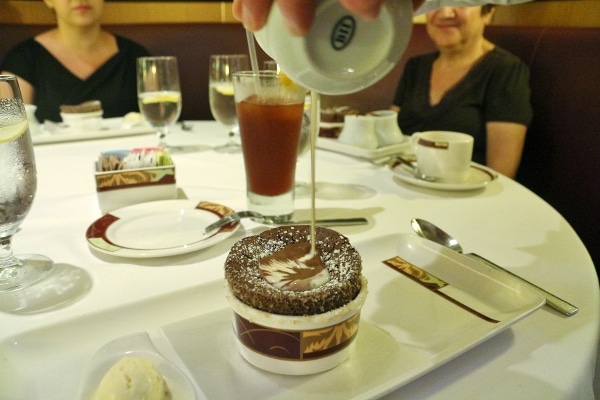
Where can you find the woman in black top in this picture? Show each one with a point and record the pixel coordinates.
(469, 85)
(75, 62)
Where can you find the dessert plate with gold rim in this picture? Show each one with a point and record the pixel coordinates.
(159, 229)
(479, 177)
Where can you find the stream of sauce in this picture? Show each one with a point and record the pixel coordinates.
(299, 267)
(315, 102)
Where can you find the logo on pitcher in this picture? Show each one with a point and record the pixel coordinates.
(343, 32)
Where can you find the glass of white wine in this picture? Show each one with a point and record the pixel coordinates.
(222, 103)
(159, 94)
(18, 183)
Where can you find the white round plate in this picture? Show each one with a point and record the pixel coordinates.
(479, 177)
(159, 229)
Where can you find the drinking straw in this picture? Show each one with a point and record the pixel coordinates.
(253, 60)
(252, 51)
(315, 107)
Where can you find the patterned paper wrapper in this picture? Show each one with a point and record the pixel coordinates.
(296, 345)
(127, 177)
(120, 169)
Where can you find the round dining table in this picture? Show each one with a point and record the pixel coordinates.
(412, 344)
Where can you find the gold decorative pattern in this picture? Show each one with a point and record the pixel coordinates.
(134, 178)
(321, 340)
(296, 345)
(218, 209)
(431, 282)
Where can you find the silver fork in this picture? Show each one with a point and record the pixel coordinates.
(231, 218)
(236, 216)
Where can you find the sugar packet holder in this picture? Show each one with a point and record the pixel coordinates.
(127, 177)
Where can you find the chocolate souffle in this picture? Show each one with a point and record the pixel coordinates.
(341, 260)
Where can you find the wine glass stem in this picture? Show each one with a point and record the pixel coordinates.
(231, 136)
(162, 136)
(7, 258)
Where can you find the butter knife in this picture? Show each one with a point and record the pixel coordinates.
(432, 283)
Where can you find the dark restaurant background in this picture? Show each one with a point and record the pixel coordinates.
(580, 13)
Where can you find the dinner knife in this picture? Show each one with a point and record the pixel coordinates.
(263, 220)
(432, 283)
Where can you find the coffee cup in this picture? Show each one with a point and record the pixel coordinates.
(443, 156)
(386, 127)
(359, 131)
(342, 53)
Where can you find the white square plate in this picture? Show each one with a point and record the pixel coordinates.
(335, 145)
(111, 127)
(406, 331)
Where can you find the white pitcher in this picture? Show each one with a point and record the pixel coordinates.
(359, 131)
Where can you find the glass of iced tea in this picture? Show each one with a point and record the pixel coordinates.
(270, 108)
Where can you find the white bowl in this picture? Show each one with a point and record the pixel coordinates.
(359, 131)
(134, 345)
(341, 53)
(91, 121)
(386, 128)
(282, 343)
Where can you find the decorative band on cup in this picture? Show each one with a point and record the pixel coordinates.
(296, 345)
(437, 144)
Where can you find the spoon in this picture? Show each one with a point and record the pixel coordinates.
(258, 217)
(429, 231)
(415, 170)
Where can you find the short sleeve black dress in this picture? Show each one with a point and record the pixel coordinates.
(495, 89)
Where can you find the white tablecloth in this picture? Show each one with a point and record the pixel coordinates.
(544, 356)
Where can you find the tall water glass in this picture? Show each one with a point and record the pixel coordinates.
(222, 103)
(270, 109)
(159, 94)
(18, 183)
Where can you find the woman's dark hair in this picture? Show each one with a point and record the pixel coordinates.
(487, 8)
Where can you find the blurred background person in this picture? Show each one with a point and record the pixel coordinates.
(468, 85)
(76, 62)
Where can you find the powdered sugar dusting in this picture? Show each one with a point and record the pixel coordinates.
(341, 260)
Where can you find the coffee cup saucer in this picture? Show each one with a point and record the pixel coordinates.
(479, 177)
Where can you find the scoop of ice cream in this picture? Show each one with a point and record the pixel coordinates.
(133, 378)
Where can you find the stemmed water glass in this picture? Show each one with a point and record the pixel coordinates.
(222, 103)
(18, 183)
(159, 94)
